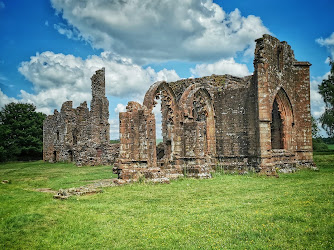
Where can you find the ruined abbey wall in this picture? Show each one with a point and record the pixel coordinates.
(260, 122)
(284, 82)
(78, 134)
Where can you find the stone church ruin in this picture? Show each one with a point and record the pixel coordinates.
(81, 135)
(260, 122)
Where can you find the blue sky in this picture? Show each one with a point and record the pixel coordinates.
(50, 49)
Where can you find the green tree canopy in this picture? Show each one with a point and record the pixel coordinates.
(326, 89)
(21, 132)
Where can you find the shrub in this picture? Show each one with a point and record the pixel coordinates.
(319, 145)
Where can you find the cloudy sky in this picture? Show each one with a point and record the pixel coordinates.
(50, 49)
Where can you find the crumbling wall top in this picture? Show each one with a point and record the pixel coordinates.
(133, 106)
(80, 135)
(98, 83)
(216, 81)
(271, 50)
(66, 106)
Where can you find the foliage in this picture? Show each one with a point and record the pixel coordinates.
(21, 132)
(328, 140)
(315, 129)
(319, 145)
(114, 141)
(294, 211)
(326, 89)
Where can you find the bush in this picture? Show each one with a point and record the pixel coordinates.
(319, 145)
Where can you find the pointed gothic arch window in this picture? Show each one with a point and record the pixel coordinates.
(276, 127)
(282, 122)
(161, 93)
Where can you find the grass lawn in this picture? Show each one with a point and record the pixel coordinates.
(228, 211)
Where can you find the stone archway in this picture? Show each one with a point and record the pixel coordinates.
(204, 112)
(199, 123)
(171, 147)
(282, 122)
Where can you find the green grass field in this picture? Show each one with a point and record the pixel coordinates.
(295, 211)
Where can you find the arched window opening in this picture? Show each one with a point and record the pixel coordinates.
(199, 126)
(158, 118)
(57, 135)
(161, 102)
(164, 124)
(203, 115)
(276, 128)
(282, 122)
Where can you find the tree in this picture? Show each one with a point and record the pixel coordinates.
(315, 129)
(317, 141)
(326, 89)
(21, 132)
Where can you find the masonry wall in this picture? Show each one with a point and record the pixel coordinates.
(260, 122)
(280, 76)
(232, 126)
(303, 113)
(81, 135)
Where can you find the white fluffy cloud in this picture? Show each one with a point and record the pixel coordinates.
(120, 108)
(161, 30)
(223, 66)
(327, 42)
(69, 33)
(158, 119)
(317, 102)
(5, 99)
(114, 128)
(58, 77)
